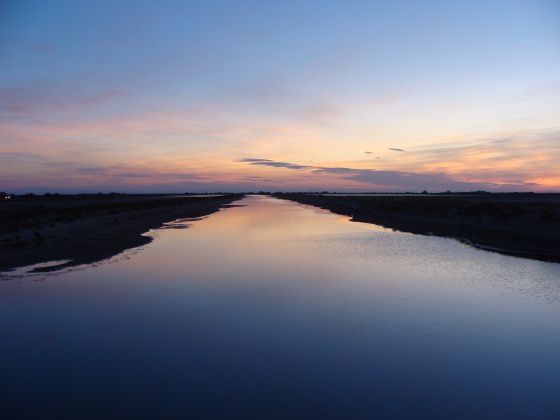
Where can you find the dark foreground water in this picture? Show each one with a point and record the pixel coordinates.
(280, 310)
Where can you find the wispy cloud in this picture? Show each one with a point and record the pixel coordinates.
(274, 164)
(530, 158)
(388, 180)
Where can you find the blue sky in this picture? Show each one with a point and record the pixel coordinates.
(167, 95)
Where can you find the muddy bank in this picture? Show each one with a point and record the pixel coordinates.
(525, 225)
(85, 229)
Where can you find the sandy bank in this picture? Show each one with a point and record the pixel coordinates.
(85, 229)
(525, 225)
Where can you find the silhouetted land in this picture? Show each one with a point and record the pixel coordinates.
(89, 227)
(526, 225)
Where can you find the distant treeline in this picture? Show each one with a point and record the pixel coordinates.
(48, 195)
(414, 193)
(31, 196)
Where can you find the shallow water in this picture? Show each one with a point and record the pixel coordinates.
(276, 309)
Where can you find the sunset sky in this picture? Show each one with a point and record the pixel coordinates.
(174, 96)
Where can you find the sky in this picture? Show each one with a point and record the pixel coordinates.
(376, 95)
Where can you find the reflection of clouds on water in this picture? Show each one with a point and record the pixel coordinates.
(267, 232)
(302, 294)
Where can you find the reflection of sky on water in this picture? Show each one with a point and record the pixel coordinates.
(281, 308)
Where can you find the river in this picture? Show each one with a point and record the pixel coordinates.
(278, 310)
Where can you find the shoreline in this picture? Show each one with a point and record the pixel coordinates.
(85, 230)
(516, 225)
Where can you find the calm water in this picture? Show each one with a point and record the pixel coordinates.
(281, 310)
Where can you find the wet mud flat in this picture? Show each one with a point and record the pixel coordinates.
(88, 228)
(525, 225)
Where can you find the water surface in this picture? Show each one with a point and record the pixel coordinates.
(276, 309)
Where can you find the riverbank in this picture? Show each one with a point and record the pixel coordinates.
(525, 225)
(89, 228)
